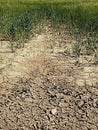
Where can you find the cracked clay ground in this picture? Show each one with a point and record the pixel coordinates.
(42, 88)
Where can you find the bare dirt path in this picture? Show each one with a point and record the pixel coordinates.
(14, 66)
(42, 88)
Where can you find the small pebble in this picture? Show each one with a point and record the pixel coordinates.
(54, 111)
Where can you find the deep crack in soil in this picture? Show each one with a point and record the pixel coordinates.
(42, 88)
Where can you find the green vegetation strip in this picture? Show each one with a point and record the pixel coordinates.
(18, 18)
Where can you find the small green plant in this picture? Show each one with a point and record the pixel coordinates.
(96, 58)
(90, 44)
(77, 48)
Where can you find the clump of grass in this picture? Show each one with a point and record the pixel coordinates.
(90, 44)
(77, 48)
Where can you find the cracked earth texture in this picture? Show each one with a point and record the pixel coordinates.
(42, 88)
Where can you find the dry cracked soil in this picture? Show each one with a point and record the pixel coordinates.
(42, 87)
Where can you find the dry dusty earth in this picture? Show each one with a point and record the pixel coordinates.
(42, 87)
